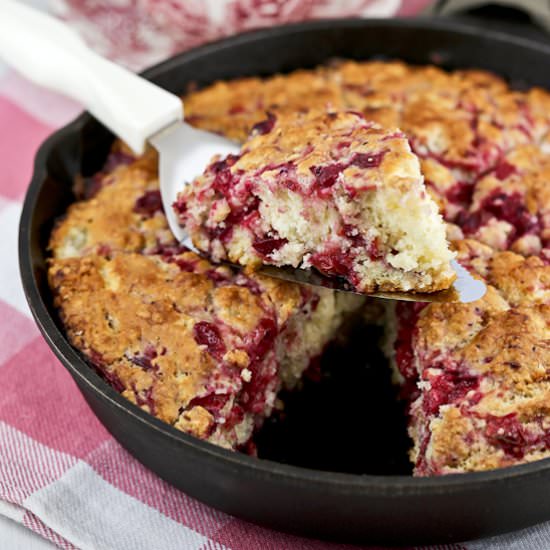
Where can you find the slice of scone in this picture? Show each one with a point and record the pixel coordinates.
(480, 369)
(330, 191)
(198, 347)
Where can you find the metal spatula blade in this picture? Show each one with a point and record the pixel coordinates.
(465, 289)
(184, 152)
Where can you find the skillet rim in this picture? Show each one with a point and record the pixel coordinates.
(338, 482)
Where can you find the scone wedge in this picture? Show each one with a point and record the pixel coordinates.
(325, 190)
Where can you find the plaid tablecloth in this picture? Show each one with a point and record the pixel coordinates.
(61, 474)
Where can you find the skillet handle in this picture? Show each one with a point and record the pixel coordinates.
(528, 18)
(49, 53)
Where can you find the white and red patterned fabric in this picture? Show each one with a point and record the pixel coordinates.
(62, 474)
(138, 33)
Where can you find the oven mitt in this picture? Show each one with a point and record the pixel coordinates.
(538, 10)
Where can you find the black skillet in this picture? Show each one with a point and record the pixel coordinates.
(335, 467)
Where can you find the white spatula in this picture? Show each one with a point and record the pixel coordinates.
(52, 55)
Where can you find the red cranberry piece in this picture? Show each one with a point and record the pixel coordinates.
(251, 284)
(99, 364)
(448, 388)
(144, 361)
(266, 246)
(326, 176)
(179, 207)
(291, 184)
(236, 109)
(171, 255)
(113, 380)
(373, 249)
(217, 277)
(331, 263)
(265, 126)
(149, 203)
(470, 223)
(96, 358)
(343, 145)
(507, 433)
(212, 402)
(504, 169)
(263, 336)
(224, 164)
(253, 396)
(223, 178)
(207, 334)
(366, 160)
(244, 215)
(352, 233)
(222, 181)
(259, 343)
(184, 265)
(104, 250)
(509, 208)
(236, 415)
(460, 193)
(314, 302)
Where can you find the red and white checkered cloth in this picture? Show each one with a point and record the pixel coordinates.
(62, 475)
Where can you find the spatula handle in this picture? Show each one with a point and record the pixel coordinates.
(49, 53)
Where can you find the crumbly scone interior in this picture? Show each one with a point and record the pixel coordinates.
(325, 190)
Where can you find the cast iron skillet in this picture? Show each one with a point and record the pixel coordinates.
(329, 498)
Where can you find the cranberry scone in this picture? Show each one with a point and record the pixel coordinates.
(330, 191)
(482, 398)
(201, 347)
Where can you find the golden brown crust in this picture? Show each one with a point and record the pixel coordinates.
(134, 316)
(121, 307)
(124, 214)
(509, 354)
(310, 139)
(483, 368)
(233, 108)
